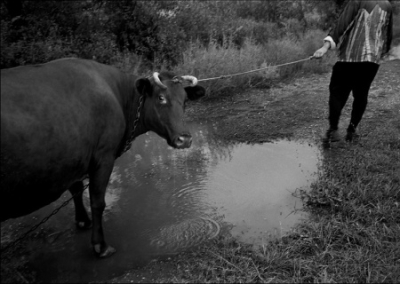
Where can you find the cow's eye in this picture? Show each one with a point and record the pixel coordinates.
(162, 99)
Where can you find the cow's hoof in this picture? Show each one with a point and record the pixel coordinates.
(103, 251)
(83, 225)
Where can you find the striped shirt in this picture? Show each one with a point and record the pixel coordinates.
(363, 32)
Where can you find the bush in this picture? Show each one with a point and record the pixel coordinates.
(207, 38)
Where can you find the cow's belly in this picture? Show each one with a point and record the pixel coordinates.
(31, 182)
(25, 200)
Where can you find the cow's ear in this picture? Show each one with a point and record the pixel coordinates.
(143, 85)
(195, 92)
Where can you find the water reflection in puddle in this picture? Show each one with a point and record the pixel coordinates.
(253, 189)
(161, 200)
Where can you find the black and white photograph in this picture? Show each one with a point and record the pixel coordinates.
(200, 141)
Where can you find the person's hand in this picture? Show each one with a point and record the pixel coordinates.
(320, 52)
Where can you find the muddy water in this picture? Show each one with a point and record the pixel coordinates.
(161, 201)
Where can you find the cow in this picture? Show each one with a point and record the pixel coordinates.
(71, 118)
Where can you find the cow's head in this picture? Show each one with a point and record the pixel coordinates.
(164, 105)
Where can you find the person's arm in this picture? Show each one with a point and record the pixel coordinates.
(320, 52)
(345, 19)
(390, 33)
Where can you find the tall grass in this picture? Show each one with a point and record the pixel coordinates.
(216, 60)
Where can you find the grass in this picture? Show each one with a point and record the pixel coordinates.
(215, 60)
(353, 235)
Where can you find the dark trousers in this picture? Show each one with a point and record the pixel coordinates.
(346, 77)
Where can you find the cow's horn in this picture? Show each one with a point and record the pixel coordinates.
(158, 81)
(191, 79)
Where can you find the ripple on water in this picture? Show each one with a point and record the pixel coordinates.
(175, 238)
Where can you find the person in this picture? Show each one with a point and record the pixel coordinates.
(362, 37)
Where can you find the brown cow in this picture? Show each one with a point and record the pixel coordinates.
(71, 118)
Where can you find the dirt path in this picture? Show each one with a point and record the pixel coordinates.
(297, 109)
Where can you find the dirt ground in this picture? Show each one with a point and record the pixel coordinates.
(291, 109)
(296, 109)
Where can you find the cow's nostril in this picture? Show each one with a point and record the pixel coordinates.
(183, 141)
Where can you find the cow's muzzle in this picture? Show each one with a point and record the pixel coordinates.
(182, 141)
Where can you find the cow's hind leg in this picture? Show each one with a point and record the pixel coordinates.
(81, 217)
(99, 177)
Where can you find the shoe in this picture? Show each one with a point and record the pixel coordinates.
(351, 133)
(332, 135)
(352, 136)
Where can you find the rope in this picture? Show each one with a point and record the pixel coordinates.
(255, 70)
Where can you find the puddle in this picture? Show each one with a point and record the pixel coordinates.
(254, 188)
(162, 201)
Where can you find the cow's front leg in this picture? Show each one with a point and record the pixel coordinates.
(81, 217)
(97, 188)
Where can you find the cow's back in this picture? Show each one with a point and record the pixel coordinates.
(54, 118)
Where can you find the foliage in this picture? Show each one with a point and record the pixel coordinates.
(159, 32)
(53, 29)
(234, 36)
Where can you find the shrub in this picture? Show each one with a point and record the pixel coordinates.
(205, 38)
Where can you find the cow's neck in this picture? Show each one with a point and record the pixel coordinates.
(134, 118)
